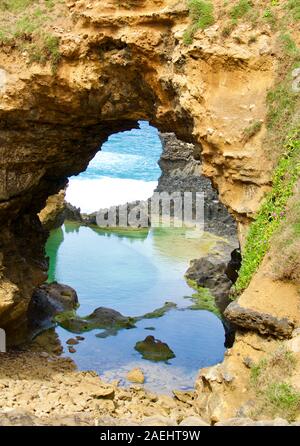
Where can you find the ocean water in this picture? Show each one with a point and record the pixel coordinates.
(124, 170)
(135, 272)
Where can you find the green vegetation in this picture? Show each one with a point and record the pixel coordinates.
(240, 10)
(252, 130)
(23, 25)
(106, 319)
(283, 147)
(270, 17)
(289, 45)
(16, 5)
(201, 15)
(294, 7)
(285, 245)
(202, 299)
(272, 211)
(159, 312)
(275, 396)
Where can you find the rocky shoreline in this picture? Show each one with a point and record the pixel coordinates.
(42, 389)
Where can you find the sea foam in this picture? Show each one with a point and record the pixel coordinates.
(90, 195)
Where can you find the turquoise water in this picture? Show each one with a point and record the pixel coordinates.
(124, 170)
(135, 272)
(128, 155)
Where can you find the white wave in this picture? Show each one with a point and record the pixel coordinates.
(91, 195)
(106, 160)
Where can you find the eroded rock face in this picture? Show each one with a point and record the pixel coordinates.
(47, 301)
(181, 168)
(53, 214)
(120, 65)
(264, 323)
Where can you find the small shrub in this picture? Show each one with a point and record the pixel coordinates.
(289, 45)
(252, 130)
(283, 399)
(252, 39)
(201, 15)
(275, 396)
(270, 17)
(227, 30)
(240, 9)
(294, 7)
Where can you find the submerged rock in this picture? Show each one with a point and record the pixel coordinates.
(159, 312)
(136, 376)
(101, 318)
(154, 350)
(106, 319)
(72, 341)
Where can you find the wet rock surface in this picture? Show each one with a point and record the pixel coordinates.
(210, 272)
(136, 376)
(154, 350)
(47, 301)
(107, 319)
(181, 167)
(101, 318)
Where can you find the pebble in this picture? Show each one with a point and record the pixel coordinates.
(72, 341)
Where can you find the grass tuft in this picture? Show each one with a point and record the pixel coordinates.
(275, 396)
(252, 130)
(23, 26)
(201, 15)
(240, 9)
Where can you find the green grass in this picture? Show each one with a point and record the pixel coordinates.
(240, 10)
(270, 17)
(252, 130)
(285, 245)
(289, 45)
(201, 15)
(16, 5)
(275, 396)
(271, 212)
(23, 26)
(282, 102)
(283, 398)
(294, 7)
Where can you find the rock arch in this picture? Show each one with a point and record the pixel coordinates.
(119, 65)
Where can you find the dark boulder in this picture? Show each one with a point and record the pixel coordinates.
(47, 301)
(154, 350)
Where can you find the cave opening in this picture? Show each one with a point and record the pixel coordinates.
(138, 273)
